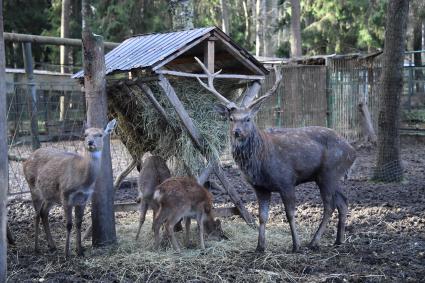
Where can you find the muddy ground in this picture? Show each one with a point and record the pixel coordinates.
(385, 239)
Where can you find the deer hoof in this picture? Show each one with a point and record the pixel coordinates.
(260, 249)
(313, 247)
(338, 243)
(296, 249)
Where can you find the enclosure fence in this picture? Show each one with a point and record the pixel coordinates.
(51, 111)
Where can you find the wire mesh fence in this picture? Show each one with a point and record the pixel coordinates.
(60, 116)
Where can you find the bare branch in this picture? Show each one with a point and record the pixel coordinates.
(210, 85)
(271, 91)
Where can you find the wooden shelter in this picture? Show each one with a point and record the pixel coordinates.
(158, 58)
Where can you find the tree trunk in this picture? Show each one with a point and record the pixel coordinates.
(224, 16)
(270, 42)
(388, 164)
(182, 12)
(102, 214)
(259, 39)
(295, 28)
(4, 167)
(64, 55)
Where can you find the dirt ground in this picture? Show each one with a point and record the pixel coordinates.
(385, 239)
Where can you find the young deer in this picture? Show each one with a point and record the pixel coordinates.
(57, 177)
(153, 172)
(278, 159)
(183, 197)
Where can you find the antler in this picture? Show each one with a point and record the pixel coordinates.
(229, 104)
(271, 91)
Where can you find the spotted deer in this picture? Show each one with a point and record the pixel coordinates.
(183, 197)
(57, 177)
(278, 159)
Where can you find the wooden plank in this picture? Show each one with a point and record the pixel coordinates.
(203, 177)
(149, 94)
(238, 55)
(49, 40)
(219, 76)
(234, 196)
(209, 53)
(187, 122)
(250, 93)
(180, 52)
(218, 212)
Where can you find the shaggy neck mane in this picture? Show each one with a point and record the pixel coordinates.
(249, 154)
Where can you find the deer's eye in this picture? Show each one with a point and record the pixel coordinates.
(231, 118)
(248, 119)
(99, 135)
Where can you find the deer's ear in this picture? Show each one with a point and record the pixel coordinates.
(222, 109)
(256, 104)
(110, 127)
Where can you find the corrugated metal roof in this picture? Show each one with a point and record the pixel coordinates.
(145, 50)
(150, 50)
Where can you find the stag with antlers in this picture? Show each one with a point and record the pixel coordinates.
(278, 159)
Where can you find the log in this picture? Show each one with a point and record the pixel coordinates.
(49, 40)
(220, 76)
(366, 125)
(124, 174)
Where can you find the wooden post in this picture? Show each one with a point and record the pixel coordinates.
(209, 53)
(251, 92)
(32, 94)
(4, 166)
(200, 144)
(102, 214)
(64, 56)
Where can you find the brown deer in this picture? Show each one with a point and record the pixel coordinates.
(65, 178)
(153, 172)
(183, 197)
(278, 159)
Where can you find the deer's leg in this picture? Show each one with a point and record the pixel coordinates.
(44, 214)
(169, 226)
(263, 208)
(156, 226)
(187, 228)
(342, 207)
(143, 210)
(327, 192)
(289, 201)
(200, 219)
(68, 218)
(79, 214)
(37, 207)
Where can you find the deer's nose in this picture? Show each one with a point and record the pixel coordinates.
(237, 133)
(90, 143)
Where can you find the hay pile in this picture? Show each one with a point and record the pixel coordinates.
(142, 129)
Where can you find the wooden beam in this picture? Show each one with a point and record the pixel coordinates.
(149, 94)
(124, 173)
(209, 53)
(203, 177)
(250, 93)
(200, 144)
(218, 212)
(237, 54)
(185, 119)
(181, 51)
(49, 40)
(220, 76)
(234, 196)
